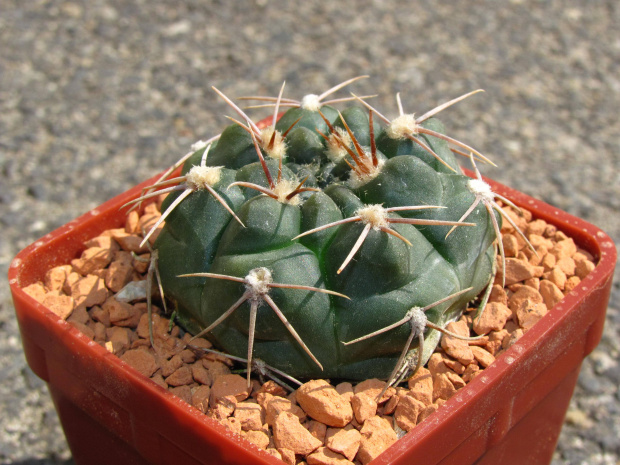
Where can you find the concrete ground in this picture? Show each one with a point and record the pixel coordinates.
(96, 95)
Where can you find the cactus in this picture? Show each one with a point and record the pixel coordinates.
(326, 244)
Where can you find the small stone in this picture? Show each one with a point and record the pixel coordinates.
(118, 275)
(250, 415)
(287, 456)
(141, 360)
(200, 398)
(120, 336)
(483, 357)
(61, 305)
(495, 341)
(364, 407)
(141, 262)
(529, 313)
(99, 330)
(516, 218)
(232, 425)
(458, 348)
(273, 388)
(372, 388)
(216, 368)
(159, 325)
(131, 222)
(181, 377)
(533, 283)
(572, 283)
(133, 291)
(36, 290)
(55, 278)
(89, 291)
(80, 315)
(259, 438)
(548, 262)
(564, 248)
(436, 364)
(317, 429)
(512, 337)
(273, 451)
(182, 392)
(524, 293)
(229, 385)
(428, 411)
(511, 245)
(498, 294)
(518, 270)
(274, 405)
(91, 260)
(407, 411)
(147, 221)
(322, 402)
(99, 314)
(345, 441)
(325, 456)
(550, 293)
(130, 242)
(290, 434)
(567, 265)
(158, 379)
(223, 408)
(377, 436)
(345, 389)
(201, 374)
(442, 387)
(455, 366)
(536, 227)
(390, 406)
(87, 331)
(122, 314)
(493, 318)
(103, 242)
(72, 278)
(583, 268)
(471, 371)
(170, 366)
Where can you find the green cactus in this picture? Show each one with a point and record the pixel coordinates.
(327, 244)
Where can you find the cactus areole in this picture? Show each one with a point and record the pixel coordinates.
(305, 245)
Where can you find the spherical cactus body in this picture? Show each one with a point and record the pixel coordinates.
(299, 244)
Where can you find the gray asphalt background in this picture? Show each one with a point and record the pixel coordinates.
(96, 95)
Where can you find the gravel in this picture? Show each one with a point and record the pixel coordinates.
(96, 95)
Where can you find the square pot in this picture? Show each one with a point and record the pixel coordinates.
(511, 414)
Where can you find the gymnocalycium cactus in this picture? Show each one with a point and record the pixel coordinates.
(326, 244)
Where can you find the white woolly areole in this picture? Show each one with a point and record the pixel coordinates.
(199, 144)
(480, 188)
(401, 126)
(283, 189)
(257, 281)
(357, 180)
(278, 150)
(201, 176)
(374, 215)
(418, 320)
(311, 102)
(335, 145)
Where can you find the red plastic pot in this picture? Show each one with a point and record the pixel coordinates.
(511, 414)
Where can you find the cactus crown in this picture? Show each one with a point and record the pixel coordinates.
(327, 243)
